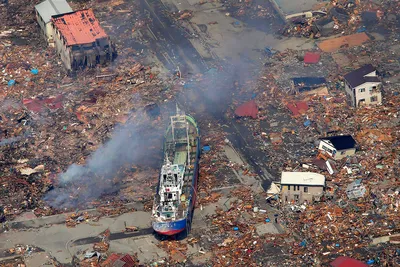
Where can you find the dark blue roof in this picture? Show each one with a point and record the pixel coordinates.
(341, 142)
(357, 77)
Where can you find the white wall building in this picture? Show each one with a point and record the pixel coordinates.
(363, 86)
(338, 147)
(301, 186)
(44, 11)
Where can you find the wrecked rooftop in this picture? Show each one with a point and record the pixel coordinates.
(79, 27)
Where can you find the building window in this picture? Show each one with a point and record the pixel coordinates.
(361, 90)
(305, 189)
(374, 98)
(327, 149)
(288, 187)
(298, 188)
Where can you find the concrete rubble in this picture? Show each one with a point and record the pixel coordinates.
(51, 120)
(343, 17)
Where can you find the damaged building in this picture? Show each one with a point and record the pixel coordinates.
(298, 187)
(44, 11)
(81, 41)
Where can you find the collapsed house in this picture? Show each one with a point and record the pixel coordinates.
(309, 85)
(338, 147)
(80, 40)
(355, 189)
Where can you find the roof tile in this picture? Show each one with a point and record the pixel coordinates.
(79, 27)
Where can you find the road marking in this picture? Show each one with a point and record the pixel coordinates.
(152, 33)
(154, 13)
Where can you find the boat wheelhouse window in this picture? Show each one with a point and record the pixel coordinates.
(176, 177)
(169, 195)
(165, 177)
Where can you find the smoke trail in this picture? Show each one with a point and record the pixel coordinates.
(14, 139)
(10, 140)
(129, 144)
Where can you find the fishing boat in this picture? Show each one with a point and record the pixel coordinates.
(176, 191)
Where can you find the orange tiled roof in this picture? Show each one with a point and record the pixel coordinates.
(79, 27)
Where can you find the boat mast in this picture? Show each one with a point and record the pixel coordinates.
(180, 117)
(188, 142)
(173, 129)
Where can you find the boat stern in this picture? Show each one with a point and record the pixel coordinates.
(169, 228)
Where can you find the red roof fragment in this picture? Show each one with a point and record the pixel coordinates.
(79, 27)
(311, 58)
(297, 108)
(248, 109)
(118, 260)
(37, 104)
(347, 262)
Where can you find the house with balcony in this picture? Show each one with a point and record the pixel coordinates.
(363, 86)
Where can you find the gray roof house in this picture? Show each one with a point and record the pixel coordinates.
(363, 86)
(45, 10)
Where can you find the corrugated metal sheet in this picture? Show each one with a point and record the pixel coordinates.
(79, 27)
(347, 262)
(50, 8)
(129, 262)
(116, 260)
(248, 109)
(311, 58)
(298, 108)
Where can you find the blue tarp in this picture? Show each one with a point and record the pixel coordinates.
(369, 262)
(361, 29)
(269, 51)
(206, 148)
(34, 71)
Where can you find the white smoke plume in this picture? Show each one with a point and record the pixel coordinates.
(129, 145)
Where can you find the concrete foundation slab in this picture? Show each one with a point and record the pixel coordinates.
(267, 228)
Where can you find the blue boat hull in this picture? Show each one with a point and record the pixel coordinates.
(175, 227)
(170, 228)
